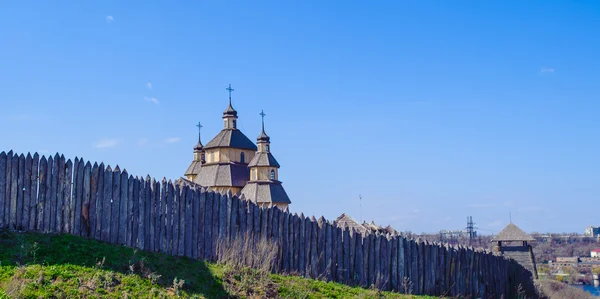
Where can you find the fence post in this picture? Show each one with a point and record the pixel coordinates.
(3, 198)
(26, 187)
(34, 193)
(87, 194)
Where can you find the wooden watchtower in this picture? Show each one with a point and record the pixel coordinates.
(512, 242)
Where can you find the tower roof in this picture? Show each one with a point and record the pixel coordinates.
(263, 159)
(229, 111)
(263, 137)
(223, 175)
(231, 138)
(265, 192)
(512, 233)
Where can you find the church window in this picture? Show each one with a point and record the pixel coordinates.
(225, 123)
(234, 123)
(203, 158)
(268, 148)
(242, 158)
(272, 174)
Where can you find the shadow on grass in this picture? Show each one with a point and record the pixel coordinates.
(44, 249)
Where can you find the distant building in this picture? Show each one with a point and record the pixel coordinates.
(592, 231)
(512, 243)
(344, 221)
(595, 253)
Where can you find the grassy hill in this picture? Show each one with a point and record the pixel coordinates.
(65, 266)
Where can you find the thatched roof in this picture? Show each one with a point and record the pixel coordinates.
(512, 233)
(344, 221)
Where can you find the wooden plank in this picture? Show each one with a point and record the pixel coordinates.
(215, 225)
(285, 244)
(14, 192)
(302, 247)
(53, 193)
(34, 192)
(189, 198)
(48, 195)
(9, 158)
(176, 203)
(314, 262)
(152, 216)
(235, 218)
(228, 207)
(131, 208)
(350, 257)
(26, 192)
(123, 209)
(393, 243)
(242, 218)
(341, 268)
(293, 242)
(321, 251)
(366, 252)
(75, 189)
(3, 197)
(157, 214)
(182, 223)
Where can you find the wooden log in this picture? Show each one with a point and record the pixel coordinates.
(152, 215)
(48, 195)
(76, 203)
(162, 221)
(222, 217)
(367, 275)
(141, 213)
(132, 211)
(393, 242)
(157, 216)
(328, 251)
(15, 193)
(302, 248)
(6, 190)
(189, 198)
(42, 202)
(182, 219)
(263, 221)
(201, 223)
(229, 209)
(53, 194)
(377, 261)
(242, 217)
(256, 221)
(67, 225)
(3, 198)
(20, 186)
(208, 220)
(71, 204)
(321, 247)
(350, 257)
(235, 218)
(123, 209)
(99, 198)
(170, 189)
(34, 179)
(60, 189)
(194, 219)
(115, 204)
(176, 217)
(359, 260)
(339, 252)
(314, 255)
(215, 225)
(401, 264)
(87, 199)
(106, 205)
(26, 187)
(285, 242)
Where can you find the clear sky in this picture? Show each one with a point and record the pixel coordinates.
(433, 111)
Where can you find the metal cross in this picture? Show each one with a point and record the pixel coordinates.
(199, 125)
(230, 90)
(262, 114)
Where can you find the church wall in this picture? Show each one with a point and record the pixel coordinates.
(228, 155)
(264, 173)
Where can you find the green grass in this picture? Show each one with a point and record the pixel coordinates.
(65, 266)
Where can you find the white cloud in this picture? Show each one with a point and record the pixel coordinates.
(149, 85)
(547, 70)
(106, 143)
(109, 19)
(152, 100)
(172, 140)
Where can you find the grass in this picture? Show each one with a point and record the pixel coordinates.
(64, 266)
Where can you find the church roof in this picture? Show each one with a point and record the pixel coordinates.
(344, 221)
(194, 168)
(232, 175)
(231, 138)
(265, 192)
(263, 159)
(512, 233)
(230, 110)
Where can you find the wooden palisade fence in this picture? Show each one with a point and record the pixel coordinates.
(55, 195)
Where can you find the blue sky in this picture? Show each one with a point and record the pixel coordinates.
(431, 110)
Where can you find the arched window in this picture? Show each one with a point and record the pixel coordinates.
(242, 158)
(272, 174)
(234, 124)
(268, 148)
